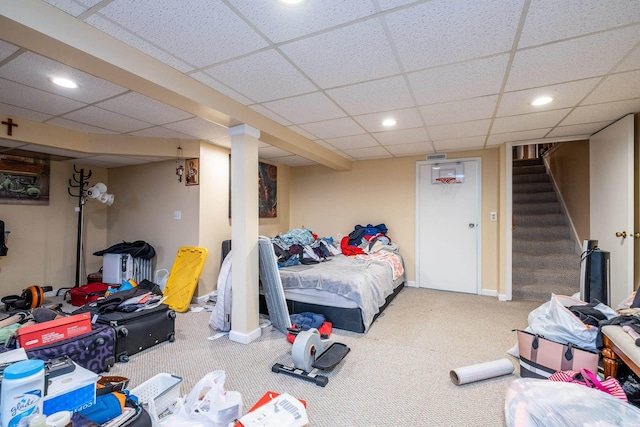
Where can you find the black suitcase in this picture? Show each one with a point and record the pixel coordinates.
(94, 350)
(138, 330)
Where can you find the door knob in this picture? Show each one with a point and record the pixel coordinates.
(636, 235)
(471, 225)
(622, 234)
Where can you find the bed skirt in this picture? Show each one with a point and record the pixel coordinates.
(349, 319)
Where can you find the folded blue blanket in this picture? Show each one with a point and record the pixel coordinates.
(307, 320)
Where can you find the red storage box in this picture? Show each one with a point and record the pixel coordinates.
(44, 333)
(85, 294)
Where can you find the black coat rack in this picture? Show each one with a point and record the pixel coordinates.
(79, 183)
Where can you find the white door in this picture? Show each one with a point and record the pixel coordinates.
(611, 159)
(448, 226)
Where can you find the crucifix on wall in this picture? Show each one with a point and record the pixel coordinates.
(10, 124)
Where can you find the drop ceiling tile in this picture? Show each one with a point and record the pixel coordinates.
(501, 138)
(10, 110)
(368, 153)
(144, 108)
(573, 130)
(351, 142)
(7, 49)
(299, 130)
(632, 62)
(281, 22)
(407, 119)
(413, 149)
(117, 161)
(221, 34)
(53, 151)
(70, 124)
(543, 119)
(222, 88)
(453, 82)
(378, 95)
(125, 36)
(270, 114)
(459, 130)
(608, 111)
(404, 136)
(455, 111)
(441, 32)
(471, 143)
(270, 152)
(72, 7)
(587, 16)
(199, 128)
(263, 76)
(392, 4)
(308, 108)
(161, 132)
(37, 71)
(35, 99)
(347, 55)
(616, 87)
(334, 128)
(564, 95)
(106, 119)
(574, 59)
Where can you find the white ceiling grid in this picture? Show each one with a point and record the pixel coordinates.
(456, 74)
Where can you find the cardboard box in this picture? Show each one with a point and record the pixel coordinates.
(72, 392)
(54, 330)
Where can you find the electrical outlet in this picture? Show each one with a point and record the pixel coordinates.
(493, 216)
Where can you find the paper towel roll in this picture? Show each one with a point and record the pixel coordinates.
(481, 371)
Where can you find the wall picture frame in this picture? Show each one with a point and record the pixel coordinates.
(192, 172)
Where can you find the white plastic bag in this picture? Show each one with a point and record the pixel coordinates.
(161, 278)
(209, 402)
(556, 322)
(539, 403)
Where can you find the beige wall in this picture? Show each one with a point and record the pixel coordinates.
(569, 165)
(43, 240)
(384, 191)
(147, 196)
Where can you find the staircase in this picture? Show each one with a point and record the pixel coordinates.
(543, 254)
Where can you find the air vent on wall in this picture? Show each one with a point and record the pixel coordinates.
(442, 156)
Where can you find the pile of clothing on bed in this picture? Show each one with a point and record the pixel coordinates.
(301, 246)
(367, 240)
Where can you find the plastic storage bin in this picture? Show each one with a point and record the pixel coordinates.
(163, 389)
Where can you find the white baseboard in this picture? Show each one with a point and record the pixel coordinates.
(243, 338)
(200, 300)
(503, 297)
(410, 284)
(489, 292)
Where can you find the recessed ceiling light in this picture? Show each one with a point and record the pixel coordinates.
(389, 122)
(64, 82)
(542, 100)
(291, 2)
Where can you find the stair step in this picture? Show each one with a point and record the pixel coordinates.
(546, 276)
(540, 196)
(527, 162)
(532, 187)
(530, 177)
(522, 170)
(529, 292)
(547, 261)
(536, 208)
(546, 246)
(523, 220)
(538, 233)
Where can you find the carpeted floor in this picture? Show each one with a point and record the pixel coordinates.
(397, 374)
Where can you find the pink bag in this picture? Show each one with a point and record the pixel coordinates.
(610, 386)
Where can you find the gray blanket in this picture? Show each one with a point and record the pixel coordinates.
(367, 282)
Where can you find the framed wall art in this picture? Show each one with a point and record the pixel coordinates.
(24, 180)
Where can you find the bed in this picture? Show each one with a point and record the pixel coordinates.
(350, 291)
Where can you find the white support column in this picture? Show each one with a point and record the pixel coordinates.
(244, 233)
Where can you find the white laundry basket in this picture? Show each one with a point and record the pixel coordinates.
(163, 389)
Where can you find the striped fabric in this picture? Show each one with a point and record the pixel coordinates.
(272, 285)
(610, 385)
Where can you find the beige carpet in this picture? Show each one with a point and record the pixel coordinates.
(397, 374)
